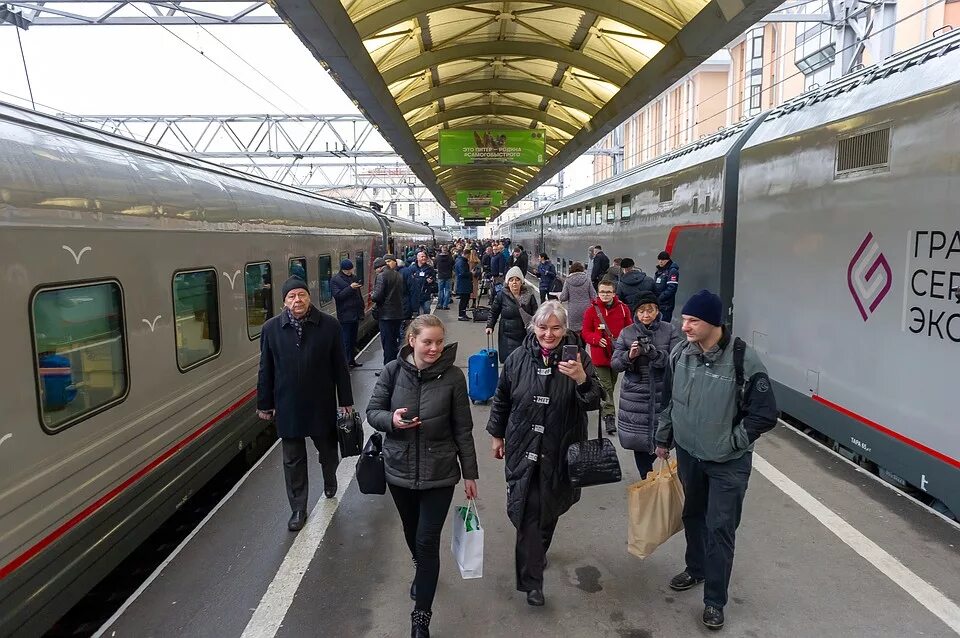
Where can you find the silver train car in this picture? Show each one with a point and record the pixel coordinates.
(830, 227)
(137, 282)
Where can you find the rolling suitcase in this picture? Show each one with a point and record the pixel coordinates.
(483, 373)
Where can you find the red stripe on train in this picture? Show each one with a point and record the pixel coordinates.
(672, 238)
(876, 426)
(18, 562)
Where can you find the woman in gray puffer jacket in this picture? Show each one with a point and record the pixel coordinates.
(642, 353)
(421, 402)
(579, 294)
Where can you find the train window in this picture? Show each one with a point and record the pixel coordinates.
(579, 217)
(598, 214)
(196, 315)
(611, 211)
(625, 207)
(361, 266)
(258, 285)
(706, 203)
(80, 346)
(587, 217)
(666, 193)
(325, 273)
(696, 204)
(298, 268)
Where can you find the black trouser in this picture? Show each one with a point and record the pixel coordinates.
(644, 462)
(423, 514)
(348, 334)
(464, 301)
(713, 494)
(533, 540)
(295, 466)
(390, 338)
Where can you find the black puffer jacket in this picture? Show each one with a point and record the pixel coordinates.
(425, 457)
(513, 329)
(388, 293)
(519, 411)
(643, 392)
(632, 285)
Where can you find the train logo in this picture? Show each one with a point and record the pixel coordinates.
(869, 277)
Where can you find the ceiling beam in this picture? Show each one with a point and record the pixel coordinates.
(494, 110)
(499, 85)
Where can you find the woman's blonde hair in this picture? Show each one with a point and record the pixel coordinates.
(421, 323)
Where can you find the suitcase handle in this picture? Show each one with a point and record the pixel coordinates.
(490, 341)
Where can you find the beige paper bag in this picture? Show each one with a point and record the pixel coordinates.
(654, 506)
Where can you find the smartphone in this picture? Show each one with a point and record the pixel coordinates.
(569, 353)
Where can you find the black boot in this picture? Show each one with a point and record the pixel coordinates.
(713, 617)
(420, 623)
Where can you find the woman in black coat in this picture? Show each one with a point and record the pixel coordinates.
(513, 307)
(421, 402)
(540, 408)
(641, 352)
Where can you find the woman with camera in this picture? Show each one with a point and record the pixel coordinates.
(546, 389)
(420, 402)
(642, 353)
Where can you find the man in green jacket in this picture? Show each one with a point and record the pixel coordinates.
(715, 414)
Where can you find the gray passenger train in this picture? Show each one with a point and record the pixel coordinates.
(136, 282)
(831, 227)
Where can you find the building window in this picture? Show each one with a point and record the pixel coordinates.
(196, 313)
(259, 292)
(598, 214)
(625, 207)
(611, 210)
(81, 361)
(587, 217)
(325, 273)
(755, 91)
(817, 60)
(757, 50)
(579, 217)
(298, 268)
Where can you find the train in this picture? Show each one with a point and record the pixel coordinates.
(830, 226)
(137, 280)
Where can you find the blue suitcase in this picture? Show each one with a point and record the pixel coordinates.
(483, 373)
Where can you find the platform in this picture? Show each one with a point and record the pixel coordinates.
(824, 550)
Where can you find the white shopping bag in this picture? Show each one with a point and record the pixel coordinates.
(467, 543)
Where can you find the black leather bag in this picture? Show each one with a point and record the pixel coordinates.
(593, 462)
(371, 476)
(350, 434)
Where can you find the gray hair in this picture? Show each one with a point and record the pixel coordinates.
(547, 309)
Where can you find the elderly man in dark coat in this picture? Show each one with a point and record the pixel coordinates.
(303, 378)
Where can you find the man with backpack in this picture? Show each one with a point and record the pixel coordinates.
(721, 402)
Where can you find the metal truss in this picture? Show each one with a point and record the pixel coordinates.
(120, 12)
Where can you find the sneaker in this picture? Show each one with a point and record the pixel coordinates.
(684, 581)
(712, 617)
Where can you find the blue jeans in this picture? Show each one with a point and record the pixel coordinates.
(390, 338)
(443, 298)
(348, 334)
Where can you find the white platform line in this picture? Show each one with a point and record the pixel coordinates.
(922, 591)
(133, 597)
(276, 601)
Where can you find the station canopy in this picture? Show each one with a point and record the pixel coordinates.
(507, 74)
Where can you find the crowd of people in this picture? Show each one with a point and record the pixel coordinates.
(696, 390)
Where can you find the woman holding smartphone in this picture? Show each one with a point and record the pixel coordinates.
(546, 389)
(421, 403)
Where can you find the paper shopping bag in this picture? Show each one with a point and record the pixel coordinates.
(467, 543)
(654, 507)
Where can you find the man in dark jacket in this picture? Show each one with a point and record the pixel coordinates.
(719, 408)
(388, 294)
(601, 263)
(303, 378)
(633, 283)
(444, 266)
(346, 294)
(497, 264)
(421, 278)
(666, 281)
(547, 273)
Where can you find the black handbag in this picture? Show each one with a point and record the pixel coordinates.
(371, 476)
(593, 462)
(350, 434)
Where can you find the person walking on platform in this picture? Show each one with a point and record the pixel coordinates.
(345, 289)
(601, 264)
(476, 273)
(444, 266)
(303, 378)
(633, 283)
(388, 294)
(547, 273)
(614, 271)
(641, 353)
(579, 294)
(603, 322)
(722, 401)
(666, 281)
(463, 286)
(421, 403)
(513, 308)
(539, 409)
(497, 264)
(421, 279)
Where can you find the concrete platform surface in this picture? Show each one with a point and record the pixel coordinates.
(824, 550)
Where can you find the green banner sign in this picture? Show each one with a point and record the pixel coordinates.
(467, 211)
(479, 199)
(492, 147)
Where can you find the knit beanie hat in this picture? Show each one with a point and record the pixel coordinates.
(293, 283)
(648, 297)
(663, 255)
(514, 272)
(706, 306)
(346, 264)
